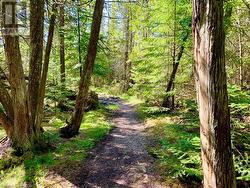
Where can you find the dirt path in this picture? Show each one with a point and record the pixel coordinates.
(121, 160)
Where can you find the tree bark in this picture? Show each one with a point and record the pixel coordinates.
(36, 55)
(209, 53)
(62, 45)
(21, 129)
(73, 127)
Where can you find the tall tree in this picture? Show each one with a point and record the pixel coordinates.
(62, 45)
(209, 53)
(21, 109)
(44, 73)
(19, 122)
(127, 62)
(21, 118)
(36, 56)
(79, 37)
(73, 127)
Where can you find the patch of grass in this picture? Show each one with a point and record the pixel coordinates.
(66, 152)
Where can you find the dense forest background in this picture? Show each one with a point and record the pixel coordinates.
(144, 56)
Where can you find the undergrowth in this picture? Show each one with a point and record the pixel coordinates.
(175, 141)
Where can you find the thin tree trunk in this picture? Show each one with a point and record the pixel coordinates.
(126, 50)
(174, 54)
(209, 43)
(166, 101)
(240, 51)
(73, 127)
(62, 46)
(79, 38)
(241, 63)
(46, 65)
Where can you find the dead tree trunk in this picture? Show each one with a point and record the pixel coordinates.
(73, 127)
(209, 43)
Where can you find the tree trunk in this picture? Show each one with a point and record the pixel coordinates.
(79, 37)
(62, 46)
(126, 51)
(36, 56)
(21, 129)
(167, 99)
(21, 104)
(73, 127)
(209, 43)
(241, 79)
(46, 66)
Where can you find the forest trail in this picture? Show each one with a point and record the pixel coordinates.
(121, 160)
